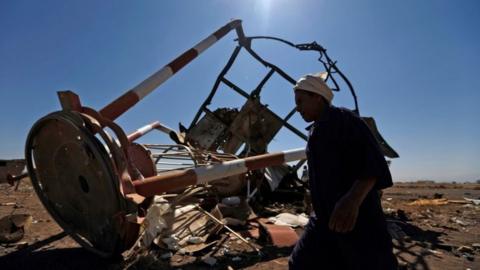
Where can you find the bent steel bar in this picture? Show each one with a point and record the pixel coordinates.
(130, 98)
(179, 179)
(146, 129)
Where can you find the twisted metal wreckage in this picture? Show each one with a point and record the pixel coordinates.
(101, 188)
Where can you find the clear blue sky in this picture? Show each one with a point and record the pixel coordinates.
(414, 65)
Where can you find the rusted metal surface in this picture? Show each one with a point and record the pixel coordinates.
(281, 236)
(141, 158)
(76, 181)
(69, 101)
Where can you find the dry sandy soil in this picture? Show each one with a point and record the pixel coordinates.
(429, 236)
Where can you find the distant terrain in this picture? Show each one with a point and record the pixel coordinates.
(434, 226)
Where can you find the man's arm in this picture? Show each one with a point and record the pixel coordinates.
(345, 214)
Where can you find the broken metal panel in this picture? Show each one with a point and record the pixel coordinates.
(387, 150)
(255, 125)
(206, 133)
(275, 174)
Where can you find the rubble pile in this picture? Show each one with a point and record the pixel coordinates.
(198, 227)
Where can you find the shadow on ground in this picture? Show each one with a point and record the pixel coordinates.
(33, 257)
(66, 258)
(417, 243)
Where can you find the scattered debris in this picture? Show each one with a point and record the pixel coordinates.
(410, 227)
(231, 201)
(465, 249)
(460, 202)
(154, 220)
(13, 227)
(281, 236)
(459, 221)
(195, 240)
(435, 252)
(209, 260)
(191, 249)
(229, 229)
(429, 202)
(287, 219)
(10, 167)
(474, 201)
(166, 256)
(236, 259)
(8, 204)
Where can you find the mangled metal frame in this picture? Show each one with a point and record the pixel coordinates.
(97, 183)
(328, 64)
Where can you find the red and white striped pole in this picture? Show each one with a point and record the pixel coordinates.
(146, 129)
(130, 98)
(179, 179)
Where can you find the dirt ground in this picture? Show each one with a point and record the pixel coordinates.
(443, 236)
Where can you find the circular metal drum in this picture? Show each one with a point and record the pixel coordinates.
(73, 176)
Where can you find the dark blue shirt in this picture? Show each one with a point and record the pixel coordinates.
(340, 150)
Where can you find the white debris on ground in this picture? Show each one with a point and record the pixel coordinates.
(154, 222)
(287, 219)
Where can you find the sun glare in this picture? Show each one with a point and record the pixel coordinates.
(263, 9)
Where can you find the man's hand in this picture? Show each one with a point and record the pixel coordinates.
(344, 215)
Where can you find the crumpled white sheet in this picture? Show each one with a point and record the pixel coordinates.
(154, 222)
(287, 219)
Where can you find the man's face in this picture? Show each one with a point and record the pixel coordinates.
(309, 105)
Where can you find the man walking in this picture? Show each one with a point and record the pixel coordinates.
(346, 171)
